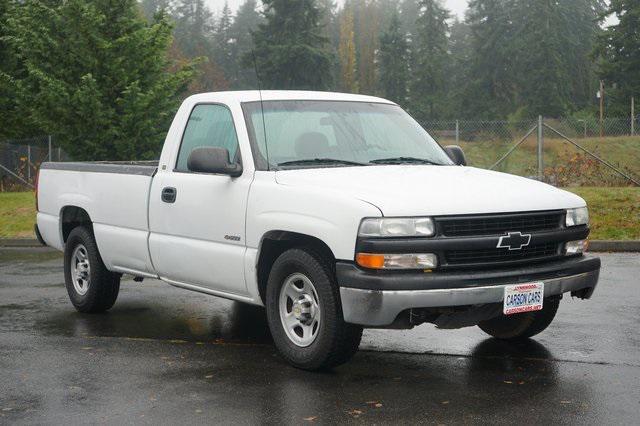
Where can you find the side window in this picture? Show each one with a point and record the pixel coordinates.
(208, 125)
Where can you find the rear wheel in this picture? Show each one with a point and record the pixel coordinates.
(521, 326)
(91, 287)
(305, 313)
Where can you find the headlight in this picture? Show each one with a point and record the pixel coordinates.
(577, 217)
(397, 261)
(397, 227)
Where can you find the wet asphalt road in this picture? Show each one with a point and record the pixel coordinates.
(166, 356)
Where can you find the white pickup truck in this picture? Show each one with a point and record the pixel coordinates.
(334, 211)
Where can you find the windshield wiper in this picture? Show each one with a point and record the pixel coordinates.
(405, 160)
(321, 161)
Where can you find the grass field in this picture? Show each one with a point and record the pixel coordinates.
(17, 214)
(565, 165)
(615, 213)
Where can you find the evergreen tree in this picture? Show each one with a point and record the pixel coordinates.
(619, 51)
(97, 76)
(247, 20)
(393, 62)
(459, 75)
(194, 39)
(291, 52)
(488, 91)
(12, 120)
(582, 37)
(193, 27)
(409, 11)
(543, 79)
(224, 44)
(551, 55)
(347, 53)
(151, 7)
(430, 62)
(328, 21)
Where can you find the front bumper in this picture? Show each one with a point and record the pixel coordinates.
(376, 299)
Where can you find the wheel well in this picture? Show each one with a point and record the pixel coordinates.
(72, 217)
(275, 243)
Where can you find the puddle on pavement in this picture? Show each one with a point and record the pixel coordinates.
(239, 323)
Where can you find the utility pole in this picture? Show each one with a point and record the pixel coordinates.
(601, 95)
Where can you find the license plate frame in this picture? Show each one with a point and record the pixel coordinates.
(520, 298)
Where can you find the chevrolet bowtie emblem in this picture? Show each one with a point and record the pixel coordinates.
(514, 241)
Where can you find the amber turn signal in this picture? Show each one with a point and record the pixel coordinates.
(371, 261)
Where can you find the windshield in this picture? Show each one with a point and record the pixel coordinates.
(303, 134)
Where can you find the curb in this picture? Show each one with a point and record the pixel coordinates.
(614, 246)
(19, 242)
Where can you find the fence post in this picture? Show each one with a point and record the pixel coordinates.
(59, 155)
(601, 92)
(540, 149)
(633, 117)
(457, 132)
(29, 163)
(50, 154)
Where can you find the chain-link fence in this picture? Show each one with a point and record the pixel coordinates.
(20, 160)
(564, 152)
(485, 130)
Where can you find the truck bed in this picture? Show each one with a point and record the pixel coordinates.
(115, 195)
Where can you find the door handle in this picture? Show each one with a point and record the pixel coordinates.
(169, 195)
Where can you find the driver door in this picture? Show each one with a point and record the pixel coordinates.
(197, 220)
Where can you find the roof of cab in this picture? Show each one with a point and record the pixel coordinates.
(282, 95)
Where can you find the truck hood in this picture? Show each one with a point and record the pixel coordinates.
(434, 190)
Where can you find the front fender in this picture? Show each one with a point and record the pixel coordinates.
(332, 218)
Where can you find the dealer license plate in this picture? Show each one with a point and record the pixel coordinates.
(523, 298)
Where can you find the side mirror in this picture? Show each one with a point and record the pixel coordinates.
(212, 160)
(456, 154)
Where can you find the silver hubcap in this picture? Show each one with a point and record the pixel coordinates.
(300, 310)
(80, 270)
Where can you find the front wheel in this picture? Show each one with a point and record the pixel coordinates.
(521, 326)
(305, 314)
(91, 287)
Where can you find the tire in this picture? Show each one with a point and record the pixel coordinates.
(333, 342)
(91, 287)
(521, 326)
